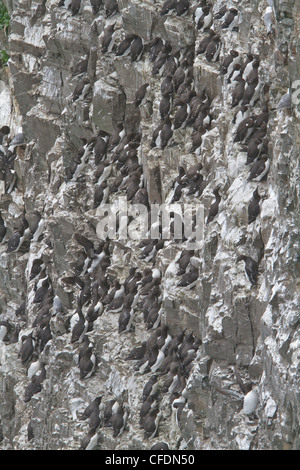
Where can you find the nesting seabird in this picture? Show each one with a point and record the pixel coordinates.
(231, 20)
(119, 420)
(87, 364)
(220, 13)
(3, 229)
(244, 129)
(108, 38)
(205, 42)
(260, 169)
(94, 405)
(181, 116)
(189, 279)
(141, 94)
(34, 387)
(136, 48)
(213, 49)
(149, 403)
(168, 7)
(238, 91)
(150, 387)
(80, 67)
(182, 7)
(27, 347)
(203, 17)
(150, 423)
(82, 89)
(90, 441)
(253, 207)
(4, 330)
(214, 208)
(111, 7)
(227, 61)
(124, 46)
(95, 4)
(75, 6)
(251, 268)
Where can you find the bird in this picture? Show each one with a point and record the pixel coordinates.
(80, 67)
(189, 279)
(136, 48)
(87, 364)
(79, 329)
(108, 38)
(119, 420)
(168, 7)
(15, 241)
(205, 42)
(182, 7)
(34, 387)
(150, 423)
(81, 90)
(260, 169)
(111, 7)
(100, 147)
(17, 140)
(75, 6)
(253, 207)
(213, 49)
(95, 4)
(4, 330)
(150, 387)
(181, 116)
(227, 61)
(251, 268)
(231, 20)
(141, 94)
(203, 17)
(244, 129)
(3, 229)
(220, 13)
(268, 19)
(238, 91)
(95, 404)
(284, 102)
(90, 441)
(35, 365)
(214, 208)
(27, 347)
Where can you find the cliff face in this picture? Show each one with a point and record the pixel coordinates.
(243, 333)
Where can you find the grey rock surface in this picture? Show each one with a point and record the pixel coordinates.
(244, 335)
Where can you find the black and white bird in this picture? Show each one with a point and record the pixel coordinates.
(253, 207)
(168, 7)
(87, 364)
(108, 38)
(141, 94)
(119, 420)
(231, 20)
(95, 4)
(27, 347)
(203, 17)
(136, 49)
(260, 169)
(251, 268)
(3, 229)
(75, 7)
(81, 90)
(213, 49)
(111, 7)
(214, 208)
